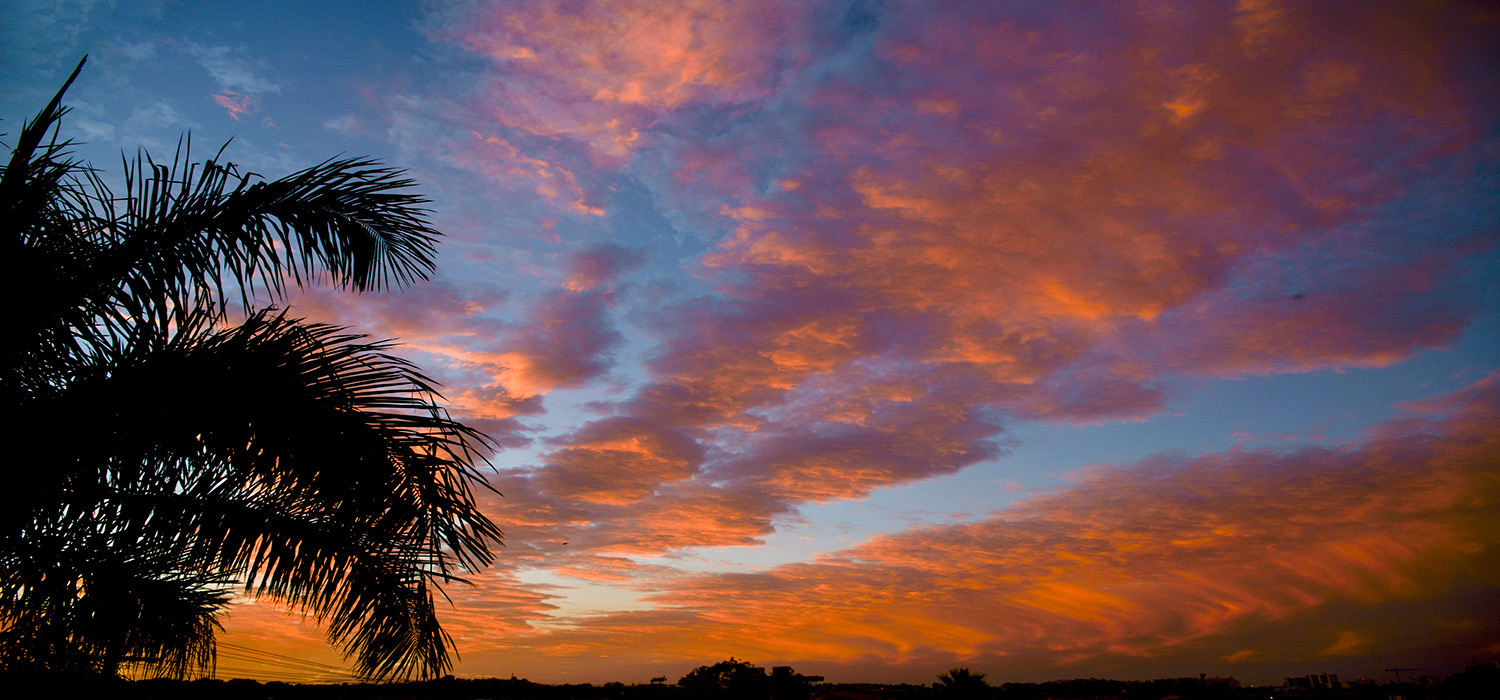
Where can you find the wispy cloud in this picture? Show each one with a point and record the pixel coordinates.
(232, 70)
(239, 78)
(238, 104)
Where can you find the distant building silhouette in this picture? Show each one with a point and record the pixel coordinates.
(1314, 681)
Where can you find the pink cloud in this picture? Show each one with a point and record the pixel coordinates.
(564, 341)
(428, 312)
(499, 371)
(236, 103)
(600, 72)
(599, 265)
(504, 161)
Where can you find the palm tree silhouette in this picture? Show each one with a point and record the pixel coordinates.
(162, 457)
(961, 683)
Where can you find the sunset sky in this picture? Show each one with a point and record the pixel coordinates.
(1116, 339)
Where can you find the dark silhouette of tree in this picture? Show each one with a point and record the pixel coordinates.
(161, 456)
(740, 680)
(961, 683)
(787, 684)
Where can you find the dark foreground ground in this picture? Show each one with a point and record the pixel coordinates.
(1475, 683)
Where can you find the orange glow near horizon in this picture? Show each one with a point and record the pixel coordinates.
(1245, 543)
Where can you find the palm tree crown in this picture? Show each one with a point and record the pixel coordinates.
(163, 456)
(962, 683)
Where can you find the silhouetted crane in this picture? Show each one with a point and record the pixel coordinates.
(1398, 671)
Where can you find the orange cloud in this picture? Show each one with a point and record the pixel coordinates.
(639, 458)
(500, 158)
(236, 103)
(600, 71)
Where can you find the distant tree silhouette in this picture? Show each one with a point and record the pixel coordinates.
(961, 683)
(787, 684)
(739, 680)
(161, 457)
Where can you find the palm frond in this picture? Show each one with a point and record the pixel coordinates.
(21, 171)
(296, 460)
(303, 460)
(184, 228)
(76, 598)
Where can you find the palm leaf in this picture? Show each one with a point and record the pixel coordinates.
(296, 460)
(330, 474)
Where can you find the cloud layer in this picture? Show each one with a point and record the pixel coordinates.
(760, 256)
(1232, 562)
(1216, 560)
(938, 221)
